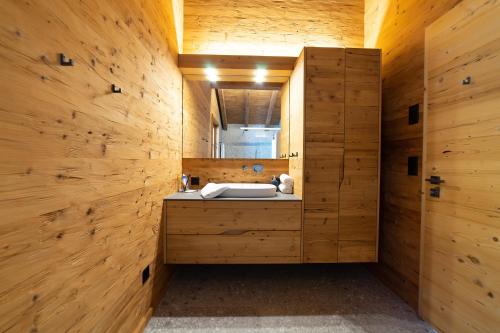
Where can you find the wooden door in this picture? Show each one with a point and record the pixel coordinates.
(460, 259)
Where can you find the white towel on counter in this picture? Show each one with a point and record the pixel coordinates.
(212, 190)
(286, 179)
(287, 189)
(238, 190)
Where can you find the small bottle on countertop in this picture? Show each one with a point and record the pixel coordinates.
(184, 183)
(275, 181)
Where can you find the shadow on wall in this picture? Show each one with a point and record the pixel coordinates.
(375, 14)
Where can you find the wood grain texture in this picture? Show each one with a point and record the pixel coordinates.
(258, 105)
(357, 251)
(83, 170)
(397, 27)
(359, 184)
(247, 85)
(188, 62)
(341, 97)
(233, 217)
(236, 68)
(324, 148)
(231, 170)
(262, 247)
(196, 129)
(262, 27)
(460, 259)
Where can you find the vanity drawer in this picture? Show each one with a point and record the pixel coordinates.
(227, 217)
(246, 248)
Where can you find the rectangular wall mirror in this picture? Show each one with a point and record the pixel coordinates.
(238, 120)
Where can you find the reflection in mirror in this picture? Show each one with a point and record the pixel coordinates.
(232, 122)
(253, 123)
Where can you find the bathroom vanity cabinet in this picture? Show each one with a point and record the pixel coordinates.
(237, 231)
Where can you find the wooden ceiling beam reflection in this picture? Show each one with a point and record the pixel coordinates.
(236, 68)
(270, 109)
(219, 93)
(247, 85)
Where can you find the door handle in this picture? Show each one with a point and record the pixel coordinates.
(434, 180)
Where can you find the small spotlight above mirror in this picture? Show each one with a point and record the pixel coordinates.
(212, 74)
(260, 75)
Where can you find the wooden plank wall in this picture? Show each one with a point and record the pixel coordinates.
(196, 130)
(460, 269)
(397, 27)
(233, 170)
(263, 27)
(83, 170)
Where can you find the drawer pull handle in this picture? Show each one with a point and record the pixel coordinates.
(234, 232)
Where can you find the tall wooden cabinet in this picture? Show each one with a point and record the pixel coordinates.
(334, 128)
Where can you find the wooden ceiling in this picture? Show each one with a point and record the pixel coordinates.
(252, 107)
(234, 68)
(264, 27)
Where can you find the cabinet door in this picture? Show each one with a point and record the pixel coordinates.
(324, 144)
(358, 218)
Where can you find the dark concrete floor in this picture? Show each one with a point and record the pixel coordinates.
(281, 298)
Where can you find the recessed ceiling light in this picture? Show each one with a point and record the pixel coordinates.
(260, 75)
(211, 74)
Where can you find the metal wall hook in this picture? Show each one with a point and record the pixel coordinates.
(115, 89)
(65, 61)
(467, 80)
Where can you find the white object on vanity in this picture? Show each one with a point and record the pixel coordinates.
(238, 190)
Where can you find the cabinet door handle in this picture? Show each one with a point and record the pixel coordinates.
(234, 232)
(342, 166)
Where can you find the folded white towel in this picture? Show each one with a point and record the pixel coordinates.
(286, 188)
(212, 190)
(237, 190)
(286, 179)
